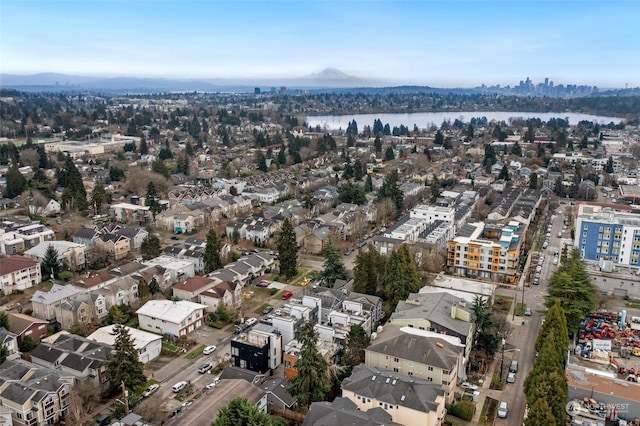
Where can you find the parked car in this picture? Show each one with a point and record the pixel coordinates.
(469, 386)
(151, 389)
(250, 321)
(263, 283)
(286, 295)
(205, 368)
(179, 386)
(213, 384)
(347, 252)
(267, 310)
(503, 410)
(511, 378)
(527, 312)
(209, 350)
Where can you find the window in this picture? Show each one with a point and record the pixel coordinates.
(429, 379)
(396, 359)
(430, 368)
(396, 370)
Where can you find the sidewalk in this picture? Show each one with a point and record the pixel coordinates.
(484, 392)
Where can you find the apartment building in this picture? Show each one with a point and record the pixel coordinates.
(18, 273)
(489, 251)
(259, 349)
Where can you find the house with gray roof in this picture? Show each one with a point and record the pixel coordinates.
(343, 412)
(419, 353)
(10, 341)
(82, 308)
(44, 302)
(410, 401)
(278, 394)
(33, 393)
(437, 312)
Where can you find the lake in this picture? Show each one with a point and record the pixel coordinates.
(425, 120)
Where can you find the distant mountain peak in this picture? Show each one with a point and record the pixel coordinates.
(331, 74)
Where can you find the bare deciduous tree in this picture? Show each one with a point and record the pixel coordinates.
(83, 398)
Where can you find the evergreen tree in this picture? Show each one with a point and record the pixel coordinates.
(487, 337)
(240, 412)
(439, 139)
(358, 170)
(98, 197)
(504, 174)
(368, 184)
(312, 383)
(124, 365)
(143, 289)
(4, 320)
(43, 161)
(357, 341)
(377, 144)
(154, 287)
(533, 181)
(50, 264)
(609, 167)
(288, 250)
(16, 183)
(151, 199)
(539, 414)
(74, 195)
(150, 247)
(489, 157)
(144, 147)
(571, 286)
(390, 189)
(400, 276)
(517, 149)
(282, 157)
(261, 161)
(367, 271)
(388, 154)
(211, 257)
(333, 266)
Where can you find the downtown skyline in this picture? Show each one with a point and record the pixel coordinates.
(435, 43)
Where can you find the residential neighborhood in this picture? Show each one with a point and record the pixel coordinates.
(232, 249)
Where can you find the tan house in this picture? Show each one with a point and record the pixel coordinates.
(225, 292)
(34, 396)
(192, 287)
(123, 291)
(117, 246)
(72, 254)
(419, 353)
(410, 401)
(85, 308)
(18, 273)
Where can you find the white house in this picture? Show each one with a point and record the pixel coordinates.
(73, 254)
(173, 318)
(148, 345)
(18, 273)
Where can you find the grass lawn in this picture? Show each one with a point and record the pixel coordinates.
(520, 308)
(633, 305)
(195, 353)
(169, 346)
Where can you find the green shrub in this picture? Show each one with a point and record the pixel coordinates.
(273, 291)
(463, 410)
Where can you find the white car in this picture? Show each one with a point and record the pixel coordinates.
(209, 350)
(503, 410)
(250, 322)
(151, 389)
(213, 384)
(469, 386)
(511, 378)
(555, 260)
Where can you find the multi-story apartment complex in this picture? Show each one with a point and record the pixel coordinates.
(490, 251)
(258, 350)
(602, 233)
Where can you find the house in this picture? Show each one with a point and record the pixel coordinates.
(409, 400)
(27, 326)
(10, 341)
(123, 291)
(117, 246)
(86, 236)
(437, 312)
(278, 395)
(71, 254)
(259, 349)
(148, 345)
(74, 356)
(44, 303)
(227, 293)
(135, 235)
(52, 208)
(130, 213)
(34, 395)
(84, 308)
(172, 318)
(421, 354)
(192, 287)
(17, 273)
(177, 269)
(342, 411)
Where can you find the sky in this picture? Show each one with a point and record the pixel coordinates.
(441, 43)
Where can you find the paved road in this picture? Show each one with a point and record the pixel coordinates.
(523, 336)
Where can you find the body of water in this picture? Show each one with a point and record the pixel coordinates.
(425, 120)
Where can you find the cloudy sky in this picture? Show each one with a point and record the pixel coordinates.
(432, 42)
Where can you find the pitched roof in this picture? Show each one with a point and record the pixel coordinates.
(11, 264)
(18, 323)
(278, 387)
(194, 283)
(437, 353)
(344, 412)
(169, 310)
(434, 307)
(56, 293)
(85, 233)
(397, 389)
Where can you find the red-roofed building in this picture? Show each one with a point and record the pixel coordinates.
(18, 273)
(192, 287)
